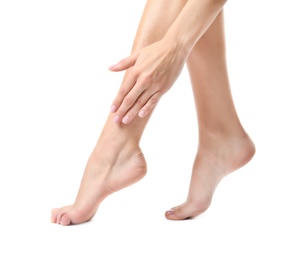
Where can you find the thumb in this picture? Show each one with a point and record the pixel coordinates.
(125, 63)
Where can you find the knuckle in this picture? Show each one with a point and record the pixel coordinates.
(153, 101)
(146, 78)
(135, 72)
(122, 62)
(121, 112)
(145, 81)
(128, 101)
(140, 102)
(122, 92)
(131, 114)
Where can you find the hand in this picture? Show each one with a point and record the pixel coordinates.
(153, 71)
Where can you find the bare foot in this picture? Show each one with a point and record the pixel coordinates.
(111, 167)
(214, 160)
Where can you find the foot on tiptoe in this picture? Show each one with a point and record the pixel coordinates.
(213, 162)
(111, 167)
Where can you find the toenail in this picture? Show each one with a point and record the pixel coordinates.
(170, 212)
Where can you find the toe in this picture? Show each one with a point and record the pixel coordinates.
(65, 220)
(176, 213)
(60, 214)
(58, 218)
(186, 210)
(53, 219)
(53, 216)
(57, 213)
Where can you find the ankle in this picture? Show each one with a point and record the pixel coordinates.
(225, 138)
(221, 132)
(234, 149)
(111, 146)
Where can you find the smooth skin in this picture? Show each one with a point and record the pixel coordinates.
(147, 81)
(117, 160)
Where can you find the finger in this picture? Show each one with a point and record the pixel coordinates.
(129, 101)
(125, 63)
(149, 106)
(123, 92)
(133, 111)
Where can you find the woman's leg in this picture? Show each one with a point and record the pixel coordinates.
(224, 146)
(117, 160)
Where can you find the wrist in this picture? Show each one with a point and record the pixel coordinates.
(181, 42)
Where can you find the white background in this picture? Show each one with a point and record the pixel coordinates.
(55, 94)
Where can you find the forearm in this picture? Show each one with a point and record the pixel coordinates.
(171, 32)
(193, 20)
(157, 17)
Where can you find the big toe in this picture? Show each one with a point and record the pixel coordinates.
(186, 210)
(65, 220)
(177, 213)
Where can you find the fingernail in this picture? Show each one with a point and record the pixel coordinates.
(116, 119)
(170, 212)
(113, 109)
(142, 113)
(125, 120)
(112, 66)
